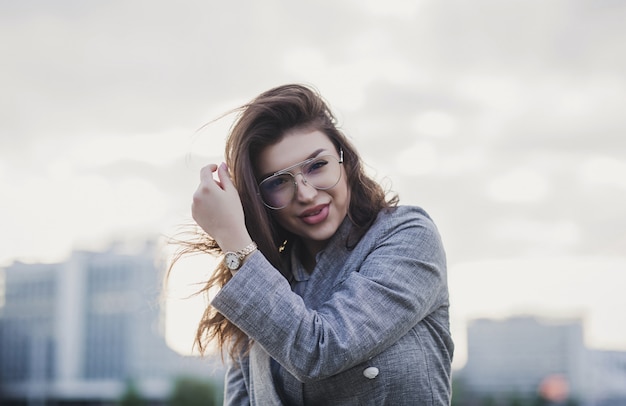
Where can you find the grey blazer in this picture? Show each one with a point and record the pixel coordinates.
(370, 326)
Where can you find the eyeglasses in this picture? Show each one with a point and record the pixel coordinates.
(322, 172)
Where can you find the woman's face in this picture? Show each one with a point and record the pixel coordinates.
(312, 214)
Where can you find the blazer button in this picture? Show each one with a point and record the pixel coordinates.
(371, 372)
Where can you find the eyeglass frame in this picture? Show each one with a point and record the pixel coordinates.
(295, 189)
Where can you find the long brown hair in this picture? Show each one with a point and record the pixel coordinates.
(259, 124)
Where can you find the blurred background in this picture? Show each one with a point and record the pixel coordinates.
(505, 120)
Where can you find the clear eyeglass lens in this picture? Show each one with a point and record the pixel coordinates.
(322, 173)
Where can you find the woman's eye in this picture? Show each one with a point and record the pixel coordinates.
(317, 165)
(276, 183)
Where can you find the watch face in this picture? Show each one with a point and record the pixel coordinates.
(232, 260)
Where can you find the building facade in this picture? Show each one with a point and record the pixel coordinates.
(82, 329)
(522, 355)
(607, 378)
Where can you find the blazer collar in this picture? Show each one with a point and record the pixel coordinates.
(331, 265)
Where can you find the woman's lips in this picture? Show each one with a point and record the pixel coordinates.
(315, 215)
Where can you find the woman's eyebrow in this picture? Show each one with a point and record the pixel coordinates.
(312, 155)
(315, 153)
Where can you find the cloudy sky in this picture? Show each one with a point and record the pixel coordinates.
(505, 120)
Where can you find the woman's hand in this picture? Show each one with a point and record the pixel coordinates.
(217, 209)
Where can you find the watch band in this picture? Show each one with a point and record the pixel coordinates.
(242, 253)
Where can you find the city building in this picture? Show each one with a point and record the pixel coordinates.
(526, 355)
(607, 378)
(83, 329)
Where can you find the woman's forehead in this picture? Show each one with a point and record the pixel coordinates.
(296, 146)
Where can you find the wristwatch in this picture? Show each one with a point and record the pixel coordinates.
(233, 260)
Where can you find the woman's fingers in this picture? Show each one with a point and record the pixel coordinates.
(216, 207)
(207, 175)
(224, 177)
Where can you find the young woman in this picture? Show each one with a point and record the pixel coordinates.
(330, 294)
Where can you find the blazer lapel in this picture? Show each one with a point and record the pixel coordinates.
(331, 268)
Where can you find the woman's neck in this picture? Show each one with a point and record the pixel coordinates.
(308, 253)
(308, 261)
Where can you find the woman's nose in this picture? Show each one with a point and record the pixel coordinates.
(304, 191)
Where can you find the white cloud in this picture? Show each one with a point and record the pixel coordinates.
(603, 170)
(48, 215)
(569, 97)
(419, 159)
(464, 162)
(154, 148)
(501, 93)
(521, 185)
(544, 235)
(305, 61)
(435, 123)
(401, 9)
(345, 85)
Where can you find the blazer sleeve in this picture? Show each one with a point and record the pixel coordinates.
(401, 280)
(235, 389)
